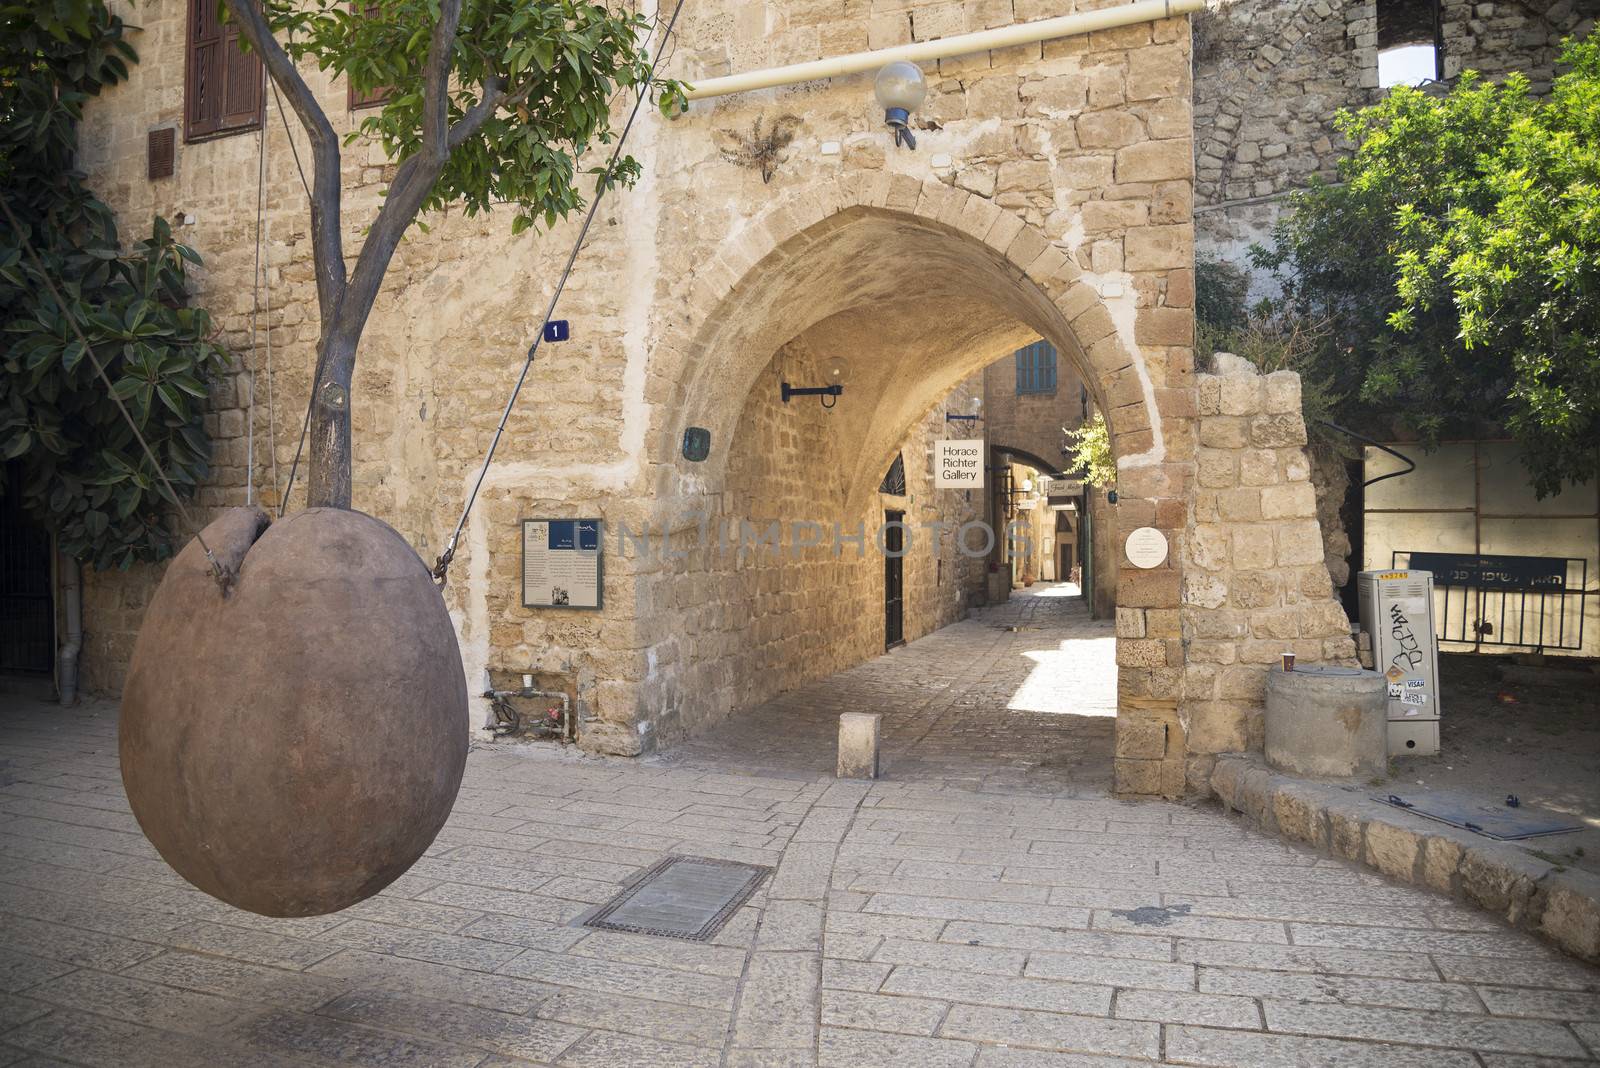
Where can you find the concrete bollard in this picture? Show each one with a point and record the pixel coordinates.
(858, 745)
(1327, 721)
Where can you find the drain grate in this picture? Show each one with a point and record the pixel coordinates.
(681, 897)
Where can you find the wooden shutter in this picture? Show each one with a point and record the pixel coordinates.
(371, 98)
(241, 103)
(222, 85)
(161, 153)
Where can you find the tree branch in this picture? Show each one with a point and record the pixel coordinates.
(327, 240)
(436, 83)
(412, 184)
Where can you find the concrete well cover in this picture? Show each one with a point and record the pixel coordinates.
(681, 897)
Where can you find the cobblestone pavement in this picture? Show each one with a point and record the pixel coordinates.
(906, 924)
(1021, 696)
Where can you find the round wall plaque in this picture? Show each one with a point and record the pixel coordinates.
(1146, 547)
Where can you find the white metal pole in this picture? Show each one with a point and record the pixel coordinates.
(963, 44)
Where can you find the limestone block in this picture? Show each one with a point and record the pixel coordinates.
(1241, 395)
(1205, 591)
(1158, 248)
(1294, 500)
(1242, 682)
(1202, 651)
(1299, 542)
(1346, 828)
(1223, 431)
(1299, 818)
(1130, 622)
(858, 745)
(1162, 623)
(1243, 505)
(1141, 739)
(1218, 727)
(1253, 548)
(1155, 161)
(1283, 392)
(1228, 364)
(1103, 215)
(1136, 776)
(1441, 857)
(1393, 850)
(1258, 467)
(1571, 917)
(1224, 623)
(1157, 72)
(1108, 129)
(1141, 652)
(1277, 431)
(1500, 879)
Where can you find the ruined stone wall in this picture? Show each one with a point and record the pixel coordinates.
(1257, 585)
(1270, 75)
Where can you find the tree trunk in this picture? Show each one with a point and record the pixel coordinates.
(328, 477)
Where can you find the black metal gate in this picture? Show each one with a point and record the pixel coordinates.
(27, 613)
(894, 579)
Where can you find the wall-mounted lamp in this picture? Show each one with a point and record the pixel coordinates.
(835, 371)
(900, 90)
(967, 419)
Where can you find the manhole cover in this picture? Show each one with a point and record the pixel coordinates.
(681, 897)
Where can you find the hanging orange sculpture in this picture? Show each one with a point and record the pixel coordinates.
(292, 740)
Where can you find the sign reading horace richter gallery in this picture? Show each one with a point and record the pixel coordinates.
(958, 464)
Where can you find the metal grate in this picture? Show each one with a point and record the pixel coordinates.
(681, 897)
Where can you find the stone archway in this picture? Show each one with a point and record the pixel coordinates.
(895, 248)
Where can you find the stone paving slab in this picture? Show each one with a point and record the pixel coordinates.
(940, 922)
(1509, 879)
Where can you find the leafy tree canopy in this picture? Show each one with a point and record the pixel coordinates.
(1089, 452)
(82, 474)
(1457, 266)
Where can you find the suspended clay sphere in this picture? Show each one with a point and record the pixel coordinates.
(293, 745)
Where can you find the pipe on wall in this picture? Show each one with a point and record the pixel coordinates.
(962, 44)
(72, 609)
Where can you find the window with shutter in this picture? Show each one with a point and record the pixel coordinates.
(370, 98)
(222, 84)
(1036, 368)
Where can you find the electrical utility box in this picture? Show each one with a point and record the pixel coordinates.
(1397, 613)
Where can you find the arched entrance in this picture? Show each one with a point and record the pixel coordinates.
(918, 286)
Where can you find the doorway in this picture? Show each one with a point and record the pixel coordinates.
(27, 609)
(894, 579)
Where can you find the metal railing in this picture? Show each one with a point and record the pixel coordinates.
(1506, 601)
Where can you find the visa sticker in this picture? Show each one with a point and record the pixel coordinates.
(1416, 684)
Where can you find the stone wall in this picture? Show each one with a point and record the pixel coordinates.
(1257, 584)
(1050, 197)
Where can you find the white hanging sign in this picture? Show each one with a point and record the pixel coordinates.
(1146, 548)
(958, 464)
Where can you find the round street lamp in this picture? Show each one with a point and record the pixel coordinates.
(901, 90)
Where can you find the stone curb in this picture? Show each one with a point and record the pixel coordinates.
(1559, 905)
